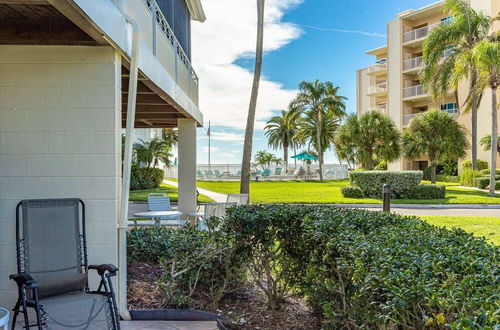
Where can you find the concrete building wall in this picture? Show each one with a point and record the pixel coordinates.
(363, 100)
(60, 123)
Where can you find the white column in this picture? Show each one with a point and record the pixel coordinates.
(187, 165)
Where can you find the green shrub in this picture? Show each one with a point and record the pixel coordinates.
(448, 178)
(427, 174)
(144, 178)
(481, 182)
(487, 172)
(196, 264)
(467, 177)
(382, 166)
(426, 191)
(374, 270)
(371, 182)
(352, 192)
(481, 164)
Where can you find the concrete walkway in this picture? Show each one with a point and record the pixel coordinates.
(219, 198)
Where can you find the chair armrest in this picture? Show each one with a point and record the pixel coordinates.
(24, 279)
(101, 269)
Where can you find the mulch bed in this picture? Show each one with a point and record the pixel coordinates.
(246, 308)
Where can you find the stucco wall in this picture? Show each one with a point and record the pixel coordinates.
(59, 137)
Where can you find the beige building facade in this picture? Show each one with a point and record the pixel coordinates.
(391, 84)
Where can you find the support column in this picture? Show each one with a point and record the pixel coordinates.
(187, 165)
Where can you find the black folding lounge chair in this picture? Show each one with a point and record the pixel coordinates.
(52, 269)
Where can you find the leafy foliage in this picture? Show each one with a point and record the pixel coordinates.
(382, 166)
(195, 263)
(372, 182)
(281, 131)
(145, 178)
(366, 140)
(467, 177)
(435, 134)
(153, 152)
(426, 191)
(352, 192)
(481, 165)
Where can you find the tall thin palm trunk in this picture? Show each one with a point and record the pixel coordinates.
(494, 139)
(285, 156)
(320, 149)
(473, 82)
(247, 147)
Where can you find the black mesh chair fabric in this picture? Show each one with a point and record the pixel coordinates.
(53, 251)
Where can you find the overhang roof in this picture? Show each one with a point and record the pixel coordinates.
(422, 12)
(196, 10)
(378, 51)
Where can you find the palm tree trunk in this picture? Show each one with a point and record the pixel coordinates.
(285, 156)
(433, 171)
(494, 139)
(320, 149)
(247, 147)
(473, 81)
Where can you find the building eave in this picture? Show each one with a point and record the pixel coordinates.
(196, 10)
(421, 11)
(377, 51)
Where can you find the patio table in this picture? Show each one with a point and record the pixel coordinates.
(157, 215)
(4, 319)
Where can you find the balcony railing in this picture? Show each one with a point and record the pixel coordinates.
(414, 91)
(419, 33)
(377, 67)
(412, 63)
(378, 88)
(407, 118)
(381, 107)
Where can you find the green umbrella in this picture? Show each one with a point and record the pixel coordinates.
(304, 155)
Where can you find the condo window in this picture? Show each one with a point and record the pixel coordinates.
(447, 19)
(449, 107)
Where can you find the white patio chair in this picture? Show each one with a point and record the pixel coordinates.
(161, 202)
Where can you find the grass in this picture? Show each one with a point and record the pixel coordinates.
(488, 227)
(329, 192)
(142, 195)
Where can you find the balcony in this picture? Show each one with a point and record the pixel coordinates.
(160, 39)
(419, 33)
(414, 92)
(412, 63)
(377, 68)
(407, 118)
(378, 88)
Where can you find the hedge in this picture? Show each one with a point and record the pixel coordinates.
(426, 191)
(467, 177)
(375, 270)
(352, 192)
(447, 178)
(487, 172)
(145, 178)
(371, 182)
(481, 164)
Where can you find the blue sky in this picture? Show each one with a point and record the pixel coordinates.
(303, 43)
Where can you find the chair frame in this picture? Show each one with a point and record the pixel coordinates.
(25, 282)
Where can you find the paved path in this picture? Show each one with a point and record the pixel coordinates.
(218, 197)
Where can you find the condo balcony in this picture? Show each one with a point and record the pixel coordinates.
(407, 118)
(377, 68)
(412, 63)
(382, 107)
(414, 92)
(419, 33)
(379, 88)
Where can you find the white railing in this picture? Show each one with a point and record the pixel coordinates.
(414, 91)
(381, 107)
(419, 33)
(408, 118)
(412, 63)
(377, 67)
(159, 21)
(451, 111)
(378, 88)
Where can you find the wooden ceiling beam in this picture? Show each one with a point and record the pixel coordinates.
(25, 2)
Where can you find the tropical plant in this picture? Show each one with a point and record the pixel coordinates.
(369, 139)
(435, 134)
(280, 131)
(318, 100)
(486, 56)
(456, 38)
(152, 152)
(170, 136)
(264, 158)
(247, 146)
(306, 134)
(486, 143)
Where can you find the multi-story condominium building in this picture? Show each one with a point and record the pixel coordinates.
(68, 72)
(391, 84)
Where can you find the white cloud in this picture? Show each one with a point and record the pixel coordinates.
(229, 33)
(221, 136)
(365, 33)
(212, 149)
(225, 155)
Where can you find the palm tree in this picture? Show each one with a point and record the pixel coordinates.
(436, 134)
(281, 130)
(306, 134)
(368, 139)
(247, 147)
(170, 136)
(152, 152)
(485, 142)
(316, 99)
(486, 56)
(264, 158)
(439, 73)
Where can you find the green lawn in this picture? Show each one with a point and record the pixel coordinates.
(329, 192)
(488, 227)
(142, 195)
